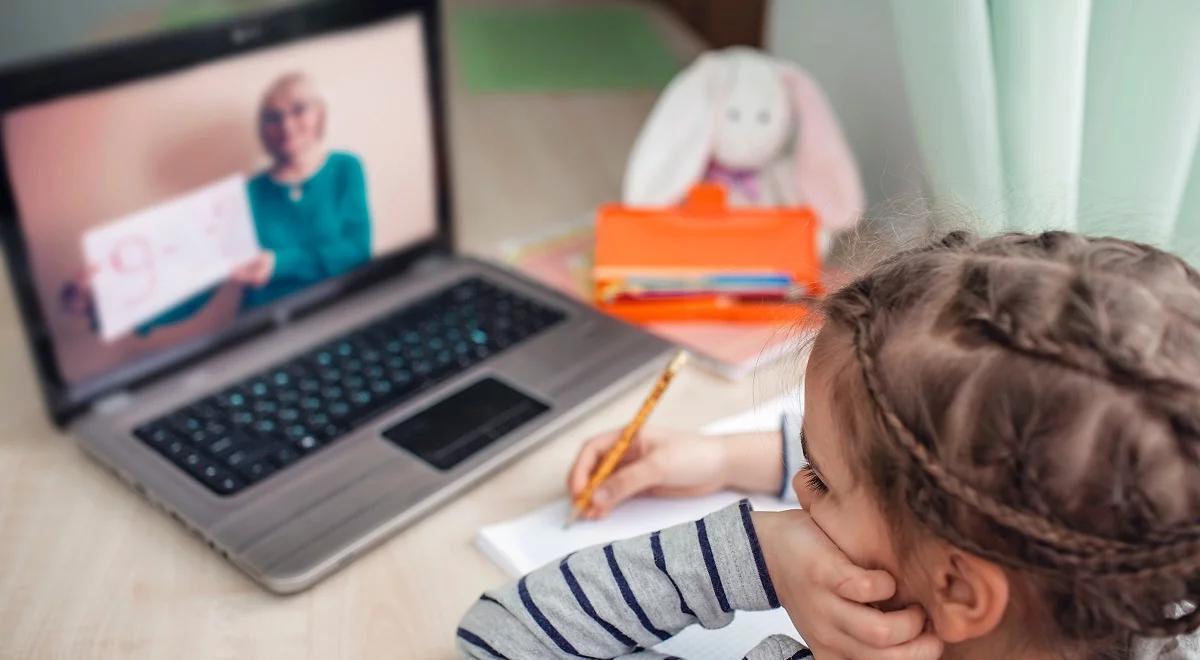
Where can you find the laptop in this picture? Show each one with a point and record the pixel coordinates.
(231, 247)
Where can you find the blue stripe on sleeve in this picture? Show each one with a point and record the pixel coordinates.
(759, 561)
(803, 653)
(586, 604)
(472, 638)
(660, 561)
(711, 565)
(627, 594)
(542, 621)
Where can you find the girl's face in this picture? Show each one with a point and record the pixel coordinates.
(834, 494)
(291, 121)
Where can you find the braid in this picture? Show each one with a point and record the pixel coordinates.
(1071, 549)
(1137, 619)
(1122, 318)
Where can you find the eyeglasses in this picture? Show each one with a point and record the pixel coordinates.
(275, 116)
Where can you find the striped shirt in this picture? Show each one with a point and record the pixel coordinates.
(620, 599)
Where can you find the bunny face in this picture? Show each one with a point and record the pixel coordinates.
(754, 121)
(746, 111)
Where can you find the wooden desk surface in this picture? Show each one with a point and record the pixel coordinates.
(90, 569)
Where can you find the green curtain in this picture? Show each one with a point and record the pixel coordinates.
(1076, 114)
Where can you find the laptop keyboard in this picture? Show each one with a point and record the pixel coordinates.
(269, 421)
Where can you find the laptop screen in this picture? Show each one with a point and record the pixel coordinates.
(158, 212)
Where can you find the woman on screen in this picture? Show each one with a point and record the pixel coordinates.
(310, 204)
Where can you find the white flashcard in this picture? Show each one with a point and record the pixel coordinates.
(147, 262)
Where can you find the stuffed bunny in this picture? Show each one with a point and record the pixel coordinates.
(759, 126)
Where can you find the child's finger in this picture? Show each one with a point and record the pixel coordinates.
(878, 629)
(586, 461)
(926, 647)
(624, 484)
(860, 585)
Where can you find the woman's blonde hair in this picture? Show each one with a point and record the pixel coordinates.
(288, 80)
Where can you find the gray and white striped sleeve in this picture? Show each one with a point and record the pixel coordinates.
(620, 599)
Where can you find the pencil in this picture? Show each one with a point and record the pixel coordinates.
(617, 451)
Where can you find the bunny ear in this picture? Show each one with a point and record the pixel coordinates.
(827, 177)
(674, 146)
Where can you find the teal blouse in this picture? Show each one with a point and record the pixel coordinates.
(323, 232)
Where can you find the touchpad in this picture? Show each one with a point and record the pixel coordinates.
(456, 427)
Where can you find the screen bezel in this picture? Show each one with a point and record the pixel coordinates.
(160, 54)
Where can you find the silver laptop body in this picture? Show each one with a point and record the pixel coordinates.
(314, 515)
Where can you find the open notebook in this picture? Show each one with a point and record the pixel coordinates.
(525, 543)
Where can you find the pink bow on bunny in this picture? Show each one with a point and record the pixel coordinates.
(759, 126)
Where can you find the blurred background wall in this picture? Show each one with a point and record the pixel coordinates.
(849, 46)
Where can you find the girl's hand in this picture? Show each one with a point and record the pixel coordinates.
(256, 272)
(829, 598)
(660, 462)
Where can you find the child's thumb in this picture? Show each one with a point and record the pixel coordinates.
(865, 586)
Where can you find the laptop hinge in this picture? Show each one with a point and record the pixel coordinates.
(428, 264)
(112, 403)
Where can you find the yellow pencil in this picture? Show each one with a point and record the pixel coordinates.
(617, 451)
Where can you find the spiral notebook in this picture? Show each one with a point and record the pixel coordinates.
(530, 541)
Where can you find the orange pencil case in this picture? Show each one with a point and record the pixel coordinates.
(704, 236)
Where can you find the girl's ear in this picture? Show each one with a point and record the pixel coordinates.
(826, 174)
(674, 146)
(970, 595)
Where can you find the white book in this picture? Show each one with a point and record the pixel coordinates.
(536, 538)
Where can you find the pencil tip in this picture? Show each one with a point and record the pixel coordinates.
(571, 518)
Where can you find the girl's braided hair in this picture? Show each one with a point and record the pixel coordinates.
(1035, 399)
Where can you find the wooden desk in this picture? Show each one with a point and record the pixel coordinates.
(89, 569)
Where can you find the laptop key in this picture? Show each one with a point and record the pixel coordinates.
(176, 449)
(242, 418)
(219, 479)
(154, 435)
(255, 470)
(285, 456)
(223, 446)
(339, 409)
(209, 473)
(307, 443)
(247, 455)
(199, 438)
(225, 485)
(192, 460)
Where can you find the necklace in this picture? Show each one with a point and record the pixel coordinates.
(295, 192)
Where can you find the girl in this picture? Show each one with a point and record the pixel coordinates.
(1011, 427)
